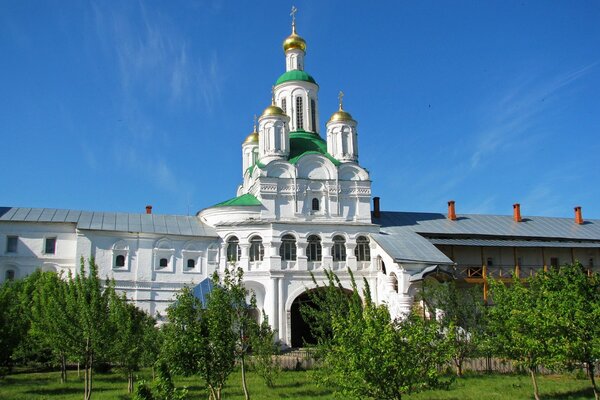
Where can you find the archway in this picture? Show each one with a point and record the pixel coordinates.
(301, 334)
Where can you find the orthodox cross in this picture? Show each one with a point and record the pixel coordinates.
(273, 95)
(293, 14)
(341, 99)
(254, 122)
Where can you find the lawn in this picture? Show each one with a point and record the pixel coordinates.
(291, 385)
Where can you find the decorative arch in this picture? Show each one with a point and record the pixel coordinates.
(278, 169)
(120, 255)
(352, 172)
(316, 166)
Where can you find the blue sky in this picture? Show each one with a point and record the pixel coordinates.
(110, 106)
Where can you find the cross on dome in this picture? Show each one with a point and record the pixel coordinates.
(293, 14)
(341, 100)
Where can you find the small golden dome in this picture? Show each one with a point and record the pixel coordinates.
(252, 138)
(340, 115)
(294, 41)
(272, 110)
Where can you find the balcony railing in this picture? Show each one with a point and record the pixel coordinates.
(477, 272)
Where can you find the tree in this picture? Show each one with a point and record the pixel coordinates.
(461, 314)
(13, 327)
(572, 301)
(163, 388)
(132, 327)
(87, 309)
(518, 322)
(368, 355)
(263, 350)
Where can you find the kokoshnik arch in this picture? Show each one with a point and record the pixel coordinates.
(303, 207)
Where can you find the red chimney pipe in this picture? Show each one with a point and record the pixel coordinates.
(517, 212)
(148, 209)
(578, 216)
(376, 209)
(451, 211)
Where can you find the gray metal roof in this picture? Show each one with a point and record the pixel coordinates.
(111, 221)
(492, 225)
(514, 243)
(404, 245)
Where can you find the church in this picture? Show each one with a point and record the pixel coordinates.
(304, 206)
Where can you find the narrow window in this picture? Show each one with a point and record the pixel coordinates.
(234, 251)
(9, 275)
(554, 262)
(313, 115)
(394, 282)
(191, 263)
(11, 244)
(284, 105)
(287, 250)
(339, 248)
(313, 251)
(591, 263)
(315, 204)
(50, 246)
(299, 114)
(362, 251)
(257, 250)
(490, 262)
(120, 261)
(163, 263)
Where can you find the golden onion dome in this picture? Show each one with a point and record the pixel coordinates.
(272, 110)
(252, 138)
(294, 41)
(340, 115)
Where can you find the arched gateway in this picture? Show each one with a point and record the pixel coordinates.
(301, 334)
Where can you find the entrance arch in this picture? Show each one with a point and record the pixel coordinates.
(301, 334)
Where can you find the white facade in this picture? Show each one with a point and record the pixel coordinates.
(303, 207)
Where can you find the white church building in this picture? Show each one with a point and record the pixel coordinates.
(303, 207)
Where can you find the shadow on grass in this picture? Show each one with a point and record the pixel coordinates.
(586, 393)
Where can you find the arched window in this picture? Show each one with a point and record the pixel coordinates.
(120, 261)
(315, 204)
(257, 250)
(284, 105)
(299, 114)
(313, 115)
(191, 263)
(339, 248)
(163, 263)
(313, 250)
(213, 254)
(9, 275)
(234, 251)
(362, 251)
(394, 280)
(287, 250)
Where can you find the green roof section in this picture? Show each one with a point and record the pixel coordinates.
(295, 75)
(303, 143)
(240, 201)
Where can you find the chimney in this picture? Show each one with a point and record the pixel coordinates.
(376, 209)
(451, 211)
(578, 216)
(517, 212)
(148, 209)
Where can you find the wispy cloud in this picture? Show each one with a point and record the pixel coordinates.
(516, 110)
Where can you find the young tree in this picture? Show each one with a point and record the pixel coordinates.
(13, 327)
(461, 314)
(131, 329)
(367, 355)
(572, 300)
(87, 306)
(263, 350)
(518, 322)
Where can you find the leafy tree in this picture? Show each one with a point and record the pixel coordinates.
(51, 324)
(131, 329)
(263, 350)
(13, 327)
(87, 307)
(518, 321)
(461, 314)
(368, 355)
(572, 302)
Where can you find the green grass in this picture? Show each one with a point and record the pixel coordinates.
(291, 385)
